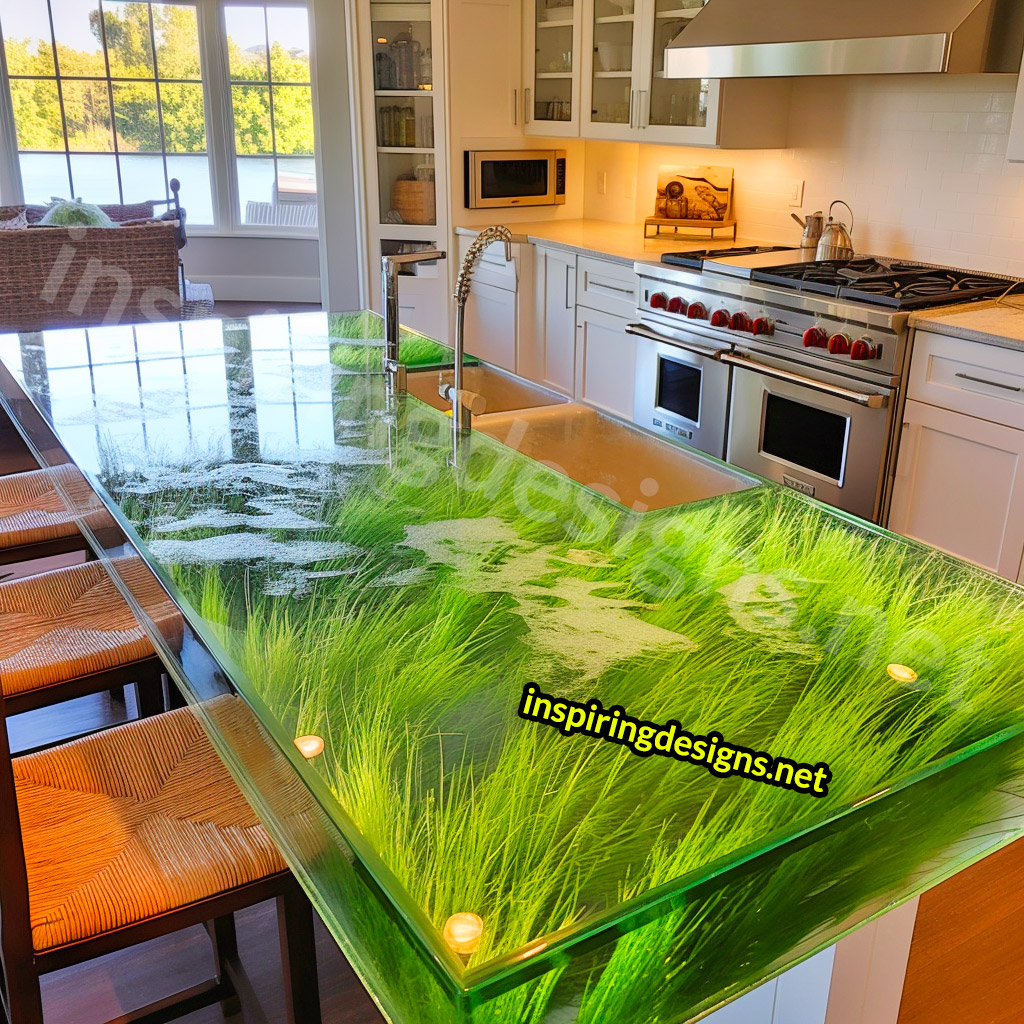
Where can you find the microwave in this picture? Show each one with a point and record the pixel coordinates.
(514, 177)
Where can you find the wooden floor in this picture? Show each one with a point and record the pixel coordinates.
(110, 986)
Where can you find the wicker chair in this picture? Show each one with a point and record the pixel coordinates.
(83, 277)
(36, 521)
(131, 834)
(69, 632)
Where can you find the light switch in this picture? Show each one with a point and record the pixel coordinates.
(796, 192)
(602, 182)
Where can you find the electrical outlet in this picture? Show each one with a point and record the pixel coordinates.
(796, 192)
(628, 187)
(602, 182)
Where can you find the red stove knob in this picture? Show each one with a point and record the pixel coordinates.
(676, 305)
(720, 318)
(697, 311)
(815, 337)
(862, 348)
(739, 322)
(659, 300)
(839, 344)
(763, 325)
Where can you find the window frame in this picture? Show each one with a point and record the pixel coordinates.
(218, 111)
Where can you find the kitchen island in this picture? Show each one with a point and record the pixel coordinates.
(368, 605)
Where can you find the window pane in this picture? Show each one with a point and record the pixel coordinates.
(256, 189)
(37, 114)
(196, 194)
(177, 41)
(76, 24)
(87, 112)
(129, 44)
(184, 118)
(138, 127)
(251, 104)
(247, 43)
(95, 178)
(289, 43)
(142, 177)
(44, 175)
(27, 41)
(293, 119)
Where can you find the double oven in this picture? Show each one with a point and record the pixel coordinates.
(723, 366)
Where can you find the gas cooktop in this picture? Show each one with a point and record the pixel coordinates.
(894, 284)
(696, 257)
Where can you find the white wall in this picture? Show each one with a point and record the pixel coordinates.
(920, 158)
(252, 269)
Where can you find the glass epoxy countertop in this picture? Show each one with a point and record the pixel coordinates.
(356, 587)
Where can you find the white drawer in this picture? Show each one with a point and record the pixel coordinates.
(966, 376)
(606, 286)
(493, 269)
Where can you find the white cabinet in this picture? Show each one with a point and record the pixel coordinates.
(552, 31)
(960, 487)
(499, 311)
(959, 482)
(595, 68)
(605, 361)
(549, 356)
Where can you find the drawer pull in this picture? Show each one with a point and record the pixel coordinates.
(990, 383)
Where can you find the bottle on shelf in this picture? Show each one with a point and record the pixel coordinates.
(405, 51)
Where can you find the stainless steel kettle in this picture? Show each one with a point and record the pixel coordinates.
(835, 242)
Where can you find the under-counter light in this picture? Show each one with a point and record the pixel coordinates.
(462, 932)
(310, 746)
(901, 673)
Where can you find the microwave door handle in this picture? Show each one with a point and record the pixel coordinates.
(527, 113)
(870, 401)
(642, 331)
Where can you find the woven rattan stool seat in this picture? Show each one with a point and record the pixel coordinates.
(72, 622)
(32, 510)
(130, 823)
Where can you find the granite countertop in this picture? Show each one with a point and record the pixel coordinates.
(609, 240)
(364, 586)
(991, 323)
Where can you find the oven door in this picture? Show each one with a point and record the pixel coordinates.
(682, 390)
(511, 178)
(821, 433)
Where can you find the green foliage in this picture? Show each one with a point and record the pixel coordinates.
(136, 117)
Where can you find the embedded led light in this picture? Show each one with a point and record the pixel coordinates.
(310, 746)
(901, 673)
(462, 932)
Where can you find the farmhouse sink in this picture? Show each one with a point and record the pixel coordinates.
(626, 464)
(501, 392)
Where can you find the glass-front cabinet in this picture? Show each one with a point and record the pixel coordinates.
(403, 135)
(551, 88)
(625, 92)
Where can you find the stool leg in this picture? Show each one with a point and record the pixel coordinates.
(298, 958)
(225, 952)
(149, 693)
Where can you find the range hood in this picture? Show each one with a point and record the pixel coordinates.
(778, 38)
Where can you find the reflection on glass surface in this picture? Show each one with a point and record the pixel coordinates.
(357, 588)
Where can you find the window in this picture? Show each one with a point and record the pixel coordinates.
(272, 109)
(108, 101)
(111, 99)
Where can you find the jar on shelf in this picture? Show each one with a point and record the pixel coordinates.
(405, 52)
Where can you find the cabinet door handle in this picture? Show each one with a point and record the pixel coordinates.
(632, 100)
(570, 286)
(515, 106)
(990, 383)
(527, 118)
(643, 109)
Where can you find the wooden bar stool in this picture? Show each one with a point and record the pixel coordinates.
(35, 520)
(69, 632)
(127, 835)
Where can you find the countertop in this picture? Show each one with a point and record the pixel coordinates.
(359, 578)
(624, 243)
(992, 323)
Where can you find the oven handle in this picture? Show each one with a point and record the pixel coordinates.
(871, 401)
(642, 331)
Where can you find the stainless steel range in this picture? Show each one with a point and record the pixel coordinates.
(787, 366)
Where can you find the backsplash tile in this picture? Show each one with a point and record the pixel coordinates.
(920, 158)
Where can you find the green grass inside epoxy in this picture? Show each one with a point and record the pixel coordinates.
(415, 689)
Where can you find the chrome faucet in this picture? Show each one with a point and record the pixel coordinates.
(394, 371)
(466, 403)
